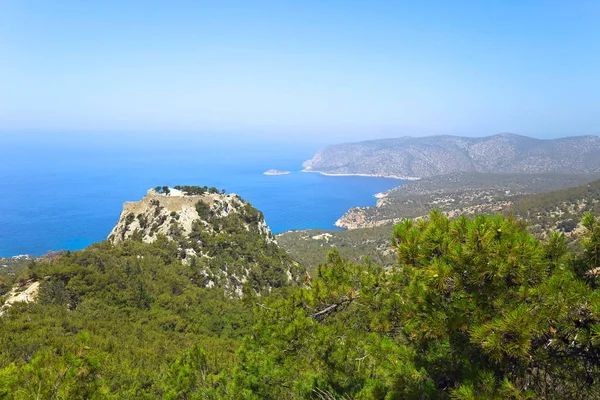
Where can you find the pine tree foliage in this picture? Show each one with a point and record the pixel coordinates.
(475, 309)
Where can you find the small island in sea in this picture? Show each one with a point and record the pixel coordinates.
(276, 172)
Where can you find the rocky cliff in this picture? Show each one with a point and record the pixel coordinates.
(175, 214)
(221, 235)
(411, 158)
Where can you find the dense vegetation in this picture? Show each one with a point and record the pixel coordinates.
(558, 210)
(311, 246)
(545, 212)
(119, 322)
(474, 309)
(236, 251)
(461, 193)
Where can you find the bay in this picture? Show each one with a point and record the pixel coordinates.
(68, 192)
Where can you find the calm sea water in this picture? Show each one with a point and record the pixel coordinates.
(67, 194)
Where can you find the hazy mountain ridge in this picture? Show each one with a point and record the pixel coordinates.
(419, 157)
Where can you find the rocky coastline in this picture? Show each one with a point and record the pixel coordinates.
(404, 178)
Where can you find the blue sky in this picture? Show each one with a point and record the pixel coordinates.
(327, 70)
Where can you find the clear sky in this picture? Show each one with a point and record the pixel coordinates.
(332, 70)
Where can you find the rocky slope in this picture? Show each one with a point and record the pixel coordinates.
(544, 210)
(311, 246)
(411, 158)
(27, 293)
(456, 194)
(174, 215)
(220, 234)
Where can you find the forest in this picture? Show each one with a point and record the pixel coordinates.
(474, 308)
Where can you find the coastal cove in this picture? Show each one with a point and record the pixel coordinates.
(65, 196)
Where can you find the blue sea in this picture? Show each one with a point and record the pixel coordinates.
(67, 191)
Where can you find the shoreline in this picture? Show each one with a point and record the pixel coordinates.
(404, 178)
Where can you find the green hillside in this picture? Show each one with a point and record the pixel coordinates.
(471, 194)
(117, 322)
(432, 308)
(460, 193)
(310, 247)
(474, 308)
(558, 210)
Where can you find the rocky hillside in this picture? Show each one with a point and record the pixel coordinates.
(175, 213)
(456, 194)
(533, 199)
(543, 210)
(311, 246)
(409, 157)
(220, 234)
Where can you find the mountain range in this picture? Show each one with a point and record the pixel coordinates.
(420, 157)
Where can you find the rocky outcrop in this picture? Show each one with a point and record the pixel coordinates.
(174, 215)
(359, 217)
(222, 236)
(26, 293)
(411, 158)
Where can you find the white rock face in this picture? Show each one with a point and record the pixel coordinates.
(17, 294)
(220, 235)
(173, 214)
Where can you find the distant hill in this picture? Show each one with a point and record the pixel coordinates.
(545, 202)
(459, 193)
(420, 157)
(559, 210)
